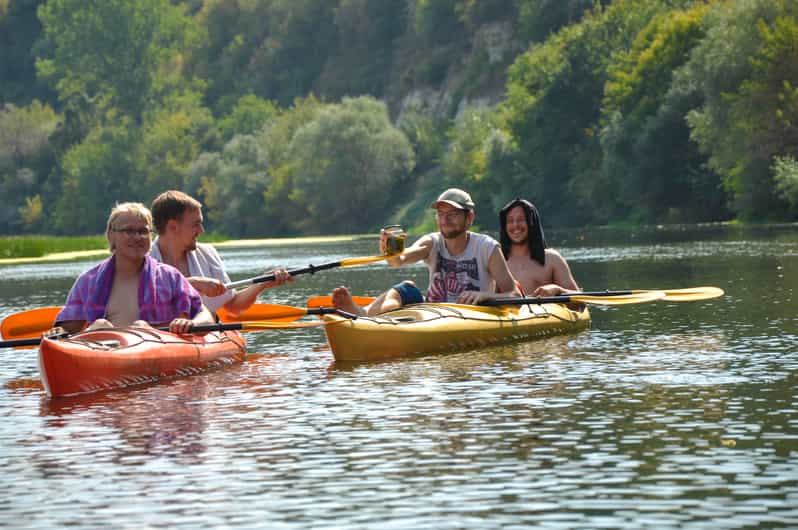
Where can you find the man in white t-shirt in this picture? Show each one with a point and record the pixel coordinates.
(178, 221)
(464, 267)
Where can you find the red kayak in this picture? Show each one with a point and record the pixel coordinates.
(119, 357)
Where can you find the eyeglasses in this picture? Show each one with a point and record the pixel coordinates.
(133, 232)
(451, 215)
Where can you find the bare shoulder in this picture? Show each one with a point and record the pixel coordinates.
(554, 256)
(561, 271)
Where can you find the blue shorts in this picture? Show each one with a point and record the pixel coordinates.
(409, 293)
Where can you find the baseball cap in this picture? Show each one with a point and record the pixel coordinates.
(455, 197)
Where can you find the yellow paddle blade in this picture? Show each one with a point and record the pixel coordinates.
(350, 262)
(274, 312)
(634, 298)
(691, 294)
(326, 301)
(608, 299)
(29, 324)
(506, 303)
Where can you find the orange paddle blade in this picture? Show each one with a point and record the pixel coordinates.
(29, 324)
(273, 312)
(326, 301)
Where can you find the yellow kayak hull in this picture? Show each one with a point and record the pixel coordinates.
(432, 328)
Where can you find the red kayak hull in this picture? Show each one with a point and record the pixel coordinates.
(120, 357)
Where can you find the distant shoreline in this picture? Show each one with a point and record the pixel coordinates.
(75, 255)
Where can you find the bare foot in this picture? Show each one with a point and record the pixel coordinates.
(100, 323)
(342, 299)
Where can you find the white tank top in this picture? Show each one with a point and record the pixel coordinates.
(468, 271)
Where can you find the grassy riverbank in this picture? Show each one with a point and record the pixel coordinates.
(27, 249)
(38, 246)
(12, 247)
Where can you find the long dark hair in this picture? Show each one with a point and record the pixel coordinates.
(535, 239)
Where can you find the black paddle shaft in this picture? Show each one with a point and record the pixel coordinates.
(201, 328)
(310, 269)
(562, 299)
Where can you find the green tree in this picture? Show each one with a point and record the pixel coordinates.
(475, 13)
(274, 49)
(553, 106)
(169, 140)
(468, 160)
(25, 159)
(97, 173)
(363, 57)
(650, 164)
(785, 173)
(427, 135)
(281, 213)
(124, 54)
(247, 185)
(233, 183)
(745, 68)
(248, 116)
(235, 30)
(436, 21)
(349, 148)
(32, 213)
(538, 19)
(20, 31)
(290, 59)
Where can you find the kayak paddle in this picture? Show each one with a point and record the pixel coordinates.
(34, 322)
(312, 269)
(690, 294)
(618, 299)
(326, 301)
(601, 298)
(28, 324)
(205, 328)
(278, 312)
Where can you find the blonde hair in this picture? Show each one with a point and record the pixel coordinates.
(135, 208)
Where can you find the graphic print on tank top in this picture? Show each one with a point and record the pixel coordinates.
(451, 278)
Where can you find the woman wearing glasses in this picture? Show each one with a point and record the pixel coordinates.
(464, 267)
(130, 288)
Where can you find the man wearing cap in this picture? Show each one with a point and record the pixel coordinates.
(464, 267)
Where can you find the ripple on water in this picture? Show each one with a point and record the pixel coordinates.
(661, 416)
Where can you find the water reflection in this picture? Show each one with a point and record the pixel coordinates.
(165, 419)
(662, 415)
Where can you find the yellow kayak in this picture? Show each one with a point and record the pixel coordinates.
(432, 328)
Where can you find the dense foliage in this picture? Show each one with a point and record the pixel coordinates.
(298, 116)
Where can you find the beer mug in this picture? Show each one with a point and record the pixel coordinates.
(395, 244)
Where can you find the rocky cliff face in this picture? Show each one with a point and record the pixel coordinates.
(474, 76)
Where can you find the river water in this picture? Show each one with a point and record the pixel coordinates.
(662, 415)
